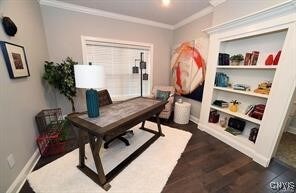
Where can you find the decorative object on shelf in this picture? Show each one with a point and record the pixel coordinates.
(61, 77)
(235, 60)
(15, 59)
(90, 77)
(269, 60)
(221, 80)
(223, 122)
(223, 59)
(277, 58)
(9, 26)
(253, 134)
(189, 68)
(263, 88)
(242, 87)
(249, 109)
(220, 103)
(214, 116)
(247, 61)
(235, 126)
(136, 71)
(233, 107)
(258, 111)
(254, 58)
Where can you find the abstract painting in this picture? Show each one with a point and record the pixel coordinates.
(188, 70)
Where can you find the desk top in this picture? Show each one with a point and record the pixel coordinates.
(112, 113)
(118, 114)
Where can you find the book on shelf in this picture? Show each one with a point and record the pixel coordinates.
(254, 58)
(247, 61)
(220, 103)
(223, 59)
(249, 109)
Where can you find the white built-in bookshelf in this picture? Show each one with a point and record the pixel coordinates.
(267, 43)
(268, 36)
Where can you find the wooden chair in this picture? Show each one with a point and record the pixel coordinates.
(105, 99)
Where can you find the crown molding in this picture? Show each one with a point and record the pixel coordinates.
(215, 3)
(193, 17)
(97, 12)
(279, 9)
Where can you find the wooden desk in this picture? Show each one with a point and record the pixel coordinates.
(114, 119)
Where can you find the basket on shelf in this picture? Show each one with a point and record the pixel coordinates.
(51, 133)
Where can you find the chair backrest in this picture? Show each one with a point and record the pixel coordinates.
(163, 88)
(104, 98)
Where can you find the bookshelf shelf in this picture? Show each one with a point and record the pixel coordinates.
(237, 114)
(248, 67)
(242, 139)
(249, 93)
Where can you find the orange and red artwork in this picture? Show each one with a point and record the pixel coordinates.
(188, 70)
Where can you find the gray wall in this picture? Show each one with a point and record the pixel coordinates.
(229, 10)
(21, 99)
(64, 29)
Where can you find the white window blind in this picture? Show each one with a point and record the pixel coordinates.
(118, 60)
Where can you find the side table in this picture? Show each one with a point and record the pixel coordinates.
(182, 112)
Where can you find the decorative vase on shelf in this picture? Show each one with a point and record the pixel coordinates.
(223, 121)
(233, 107)
(235, 62)
(277, 58)
(269, 60)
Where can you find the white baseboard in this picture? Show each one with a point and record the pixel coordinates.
(21, 178)
(194, 119)
(261, 159)
(236, 145)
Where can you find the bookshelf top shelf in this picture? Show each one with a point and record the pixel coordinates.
(249, 93)
(272, 67)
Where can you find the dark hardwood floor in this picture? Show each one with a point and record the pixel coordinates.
(209, 166)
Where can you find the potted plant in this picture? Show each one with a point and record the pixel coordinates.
(234, 106)
(236, 59)
(61, 76)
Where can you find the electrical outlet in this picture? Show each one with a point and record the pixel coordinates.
(11, 161)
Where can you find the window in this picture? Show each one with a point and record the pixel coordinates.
(118, 58)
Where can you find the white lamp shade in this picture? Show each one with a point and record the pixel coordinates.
(89, 76)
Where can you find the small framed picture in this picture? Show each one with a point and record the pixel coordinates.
(15, 59)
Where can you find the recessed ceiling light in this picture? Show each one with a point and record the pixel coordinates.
(166, 3)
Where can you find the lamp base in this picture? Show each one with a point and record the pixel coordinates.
(92, 103)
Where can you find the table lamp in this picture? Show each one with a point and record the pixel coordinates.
(90, 77)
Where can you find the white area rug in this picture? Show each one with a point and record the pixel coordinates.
(146, 174)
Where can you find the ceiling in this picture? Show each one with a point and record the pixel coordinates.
(153, 10)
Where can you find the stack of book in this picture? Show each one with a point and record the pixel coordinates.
(251, 58)
(220, 103)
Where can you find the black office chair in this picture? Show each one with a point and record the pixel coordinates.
(105, 99)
